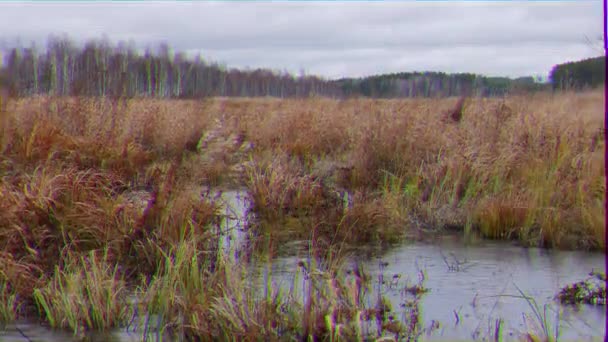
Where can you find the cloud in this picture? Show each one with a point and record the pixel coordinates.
(333, 39)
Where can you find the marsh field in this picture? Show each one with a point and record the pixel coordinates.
(300, 219)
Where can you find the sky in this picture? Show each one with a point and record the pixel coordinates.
(332, 39)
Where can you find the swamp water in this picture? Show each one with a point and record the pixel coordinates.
(470, 287)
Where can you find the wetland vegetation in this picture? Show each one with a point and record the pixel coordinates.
(110, 212)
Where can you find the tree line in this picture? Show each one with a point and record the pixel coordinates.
(98, 68)
(437, 84)
(587, 73)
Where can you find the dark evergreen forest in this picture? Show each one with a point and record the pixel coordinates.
(588, 73)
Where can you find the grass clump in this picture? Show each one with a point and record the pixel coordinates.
(87, 293)
(8, 304)
(278, 187)
(588, 291)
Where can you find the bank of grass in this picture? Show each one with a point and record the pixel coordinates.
(528, 168)
(99, 198)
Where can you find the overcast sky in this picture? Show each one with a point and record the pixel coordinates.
(333, 39)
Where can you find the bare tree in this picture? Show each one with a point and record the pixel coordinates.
(596, 44)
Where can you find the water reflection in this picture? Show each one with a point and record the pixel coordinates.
(235, 206)
(473, 286)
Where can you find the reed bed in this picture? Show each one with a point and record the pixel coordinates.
(102, 198)
(528, 167)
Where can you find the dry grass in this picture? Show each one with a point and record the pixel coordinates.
(83, 175)
(524, 167)
(80, 176)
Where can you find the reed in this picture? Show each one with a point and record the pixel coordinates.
(96, 198)
(9, 306)
(87, 293)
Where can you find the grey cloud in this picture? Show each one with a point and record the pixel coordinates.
(495, 60)
(333, 39)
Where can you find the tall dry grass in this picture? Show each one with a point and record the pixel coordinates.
(82, 175)
(524, 167)
(79, 176)
(527, 167)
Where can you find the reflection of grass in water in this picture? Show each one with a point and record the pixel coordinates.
(539, 324)
(495, 326)
(225, 303)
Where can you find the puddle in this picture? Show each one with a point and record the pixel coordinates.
(235, 206)
(26, 331)
(479, 284)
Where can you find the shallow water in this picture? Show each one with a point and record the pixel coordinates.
(470, 286)
(235, 207)
(478, 284)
